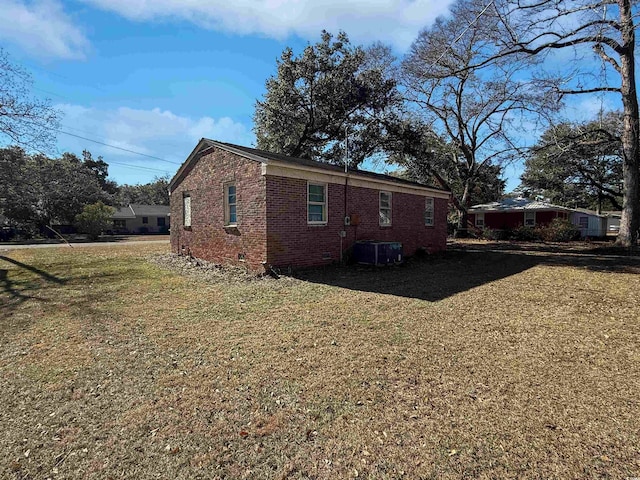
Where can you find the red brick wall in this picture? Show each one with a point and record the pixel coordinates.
(507, 220)
(208, 238)
(292, 242)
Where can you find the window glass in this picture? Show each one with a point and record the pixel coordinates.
(186, 210)
(584, 222)
(529, 219)
(230, 205)
(385, 208)
(428, 212)
(316, 203)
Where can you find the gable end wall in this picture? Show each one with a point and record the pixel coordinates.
(208, 238)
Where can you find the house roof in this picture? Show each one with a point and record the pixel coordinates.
(134, 210)
(517, 205)
(589, 212)
(263, 156)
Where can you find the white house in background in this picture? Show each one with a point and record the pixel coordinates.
(136, 218)
(589, 223)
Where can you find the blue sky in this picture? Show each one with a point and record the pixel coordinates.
(156, 76)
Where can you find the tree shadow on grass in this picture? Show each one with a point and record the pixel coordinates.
(442, 275)
(18, 291)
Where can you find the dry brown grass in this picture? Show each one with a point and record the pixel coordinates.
(467, 365)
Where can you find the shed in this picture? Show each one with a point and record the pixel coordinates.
(590, 223)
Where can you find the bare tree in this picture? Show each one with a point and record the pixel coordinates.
(537, 28)
(472, 107)
(24, 120)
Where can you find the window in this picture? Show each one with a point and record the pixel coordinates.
(385, 209)
(230, 204)
(186, 210)
(162, 222)
(119, 224)
(480, 220)
(529, 219)
(428, 212)
(583, 222)
(145, 219)
(316, 203)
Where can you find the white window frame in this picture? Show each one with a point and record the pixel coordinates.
(381, 209)
(186, 210)
(429, 211)
(325, 203)
(227, 205)
(479, 220)
(533, 219)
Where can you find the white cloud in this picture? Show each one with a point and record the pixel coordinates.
(392, 21)
(156, 132)
(42, 29)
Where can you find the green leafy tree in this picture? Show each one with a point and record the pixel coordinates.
(578, 165)
(152, 193)
(37, 190)
(331, 90)
(94, 219)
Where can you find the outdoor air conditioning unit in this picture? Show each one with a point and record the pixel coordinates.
(377, 253)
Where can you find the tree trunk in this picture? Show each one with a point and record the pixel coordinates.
(462, 228)
(629, 223)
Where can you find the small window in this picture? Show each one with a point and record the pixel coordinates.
(480, 220)
(583, 222)
(316, 203)
(230, 204)
(529, 219)
(385, 209)
(186, 210)
(145, 219)
(428, 212)
(161, 222)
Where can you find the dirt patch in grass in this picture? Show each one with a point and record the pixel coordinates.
(519, 366)
(203, 270)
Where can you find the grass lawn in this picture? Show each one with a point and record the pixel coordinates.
(472, 364)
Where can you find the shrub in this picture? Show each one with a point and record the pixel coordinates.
(525, 234)
(94, 219)
(559, 230)
(497, 234)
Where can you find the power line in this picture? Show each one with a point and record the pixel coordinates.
(457, 39)
(114, 146)
(138, 167)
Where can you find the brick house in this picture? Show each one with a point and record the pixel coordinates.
(512, 213)
(232, 204)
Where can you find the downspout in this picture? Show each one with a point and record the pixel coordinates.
(343, 232)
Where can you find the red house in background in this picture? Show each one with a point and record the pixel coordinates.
(515, 212)
(232, 204)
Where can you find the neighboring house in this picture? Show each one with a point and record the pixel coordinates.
(136, 218)
(589, 223)
(233, 204)
(515, 212)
